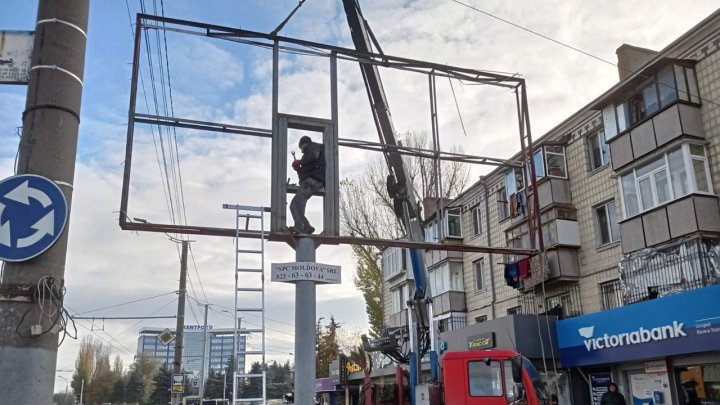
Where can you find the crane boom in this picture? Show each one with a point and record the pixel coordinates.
(405, 206)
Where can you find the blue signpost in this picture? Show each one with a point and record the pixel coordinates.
(33, 213)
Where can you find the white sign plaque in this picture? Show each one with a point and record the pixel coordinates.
(305, 271)
(15, 52)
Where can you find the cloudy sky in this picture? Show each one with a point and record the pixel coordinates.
(228, 82)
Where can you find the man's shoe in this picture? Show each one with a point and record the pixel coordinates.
(294, 230)
(309, 230)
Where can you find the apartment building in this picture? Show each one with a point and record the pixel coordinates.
(628, 194)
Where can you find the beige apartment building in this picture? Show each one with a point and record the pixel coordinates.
(628, 194)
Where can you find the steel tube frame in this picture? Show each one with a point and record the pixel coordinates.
(334, 53)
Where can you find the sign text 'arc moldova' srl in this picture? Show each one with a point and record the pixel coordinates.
(33, 214)
(305, 271)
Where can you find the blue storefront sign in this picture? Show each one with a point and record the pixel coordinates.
(687, 322)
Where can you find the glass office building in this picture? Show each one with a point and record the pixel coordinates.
(219, 348)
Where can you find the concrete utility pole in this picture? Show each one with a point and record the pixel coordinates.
(180, 325)
(305, 308)
(204, 355)
(47, 148)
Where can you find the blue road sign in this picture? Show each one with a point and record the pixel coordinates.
(33, 213)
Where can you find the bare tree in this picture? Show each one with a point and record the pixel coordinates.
(367, 211)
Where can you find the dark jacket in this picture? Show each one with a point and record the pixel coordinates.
(312, 163)
(612, 398)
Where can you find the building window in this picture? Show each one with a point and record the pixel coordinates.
(477, 220)
(555, 159)
(399, 296)
(479, 269)
(454, 223)
(599, 150)
(394, 261)
(513, 311)
(608, 229)
(502, 202)
(481, 319)
(539, 165)
(611, 294)
(446, 277)
(675, 174)
(431, 232)
(670, 84)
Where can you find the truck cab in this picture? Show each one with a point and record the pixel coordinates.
(490, 377)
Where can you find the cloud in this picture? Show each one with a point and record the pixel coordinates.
(215, 80)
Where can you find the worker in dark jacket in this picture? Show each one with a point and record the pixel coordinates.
(311, 173)
(612, 396)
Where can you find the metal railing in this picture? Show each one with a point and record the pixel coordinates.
(454, 321)
(653, 273)
(562, 301)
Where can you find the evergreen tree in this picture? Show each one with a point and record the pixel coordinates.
(214, 385)
(135, 388)
(162, 382)
(327, 347)
(118, 391)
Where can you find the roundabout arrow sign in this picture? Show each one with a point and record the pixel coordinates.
(33, 214)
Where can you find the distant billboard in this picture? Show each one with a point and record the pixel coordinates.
(15, 52)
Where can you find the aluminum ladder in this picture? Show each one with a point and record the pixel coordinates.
(249, 286)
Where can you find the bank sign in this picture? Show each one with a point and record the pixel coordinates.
(687, 322)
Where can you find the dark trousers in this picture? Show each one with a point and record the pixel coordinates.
(299, 202)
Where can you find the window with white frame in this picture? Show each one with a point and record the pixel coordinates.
(399, 297)
(476, 220)
(555, 161)
(608, 229)
(673, 175)
(454, 223)
(446, 277)
(394, 261)
(503, 205)
(431, 234)
(479, 270)
(539, 164)
(599, 150)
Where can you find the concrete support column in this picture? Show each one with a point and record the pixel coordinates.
(305, 315)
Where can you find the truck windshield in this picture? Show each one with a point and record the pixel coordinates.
(485, 379)
(535, 378)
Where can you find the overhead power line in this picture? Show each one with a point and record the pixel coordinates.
(571, 47)
(125, 303)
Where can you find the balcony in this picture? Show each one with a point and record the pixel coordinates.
(652, 274)
(562, 264)
(675, 121)
(396, 320)
(450, 301)
(451, 321)
(691, 214)
(562, 301)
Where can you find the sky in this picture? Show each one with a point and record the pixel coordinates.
(227, 82)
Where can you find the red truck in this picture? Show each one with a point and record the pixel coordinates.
(488, 377)
(476, 377)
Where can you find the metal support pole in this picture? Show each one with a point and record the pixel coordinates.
(180, 325)
(305, 306)
(48, 148)
(204, 355)
(82, 390)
